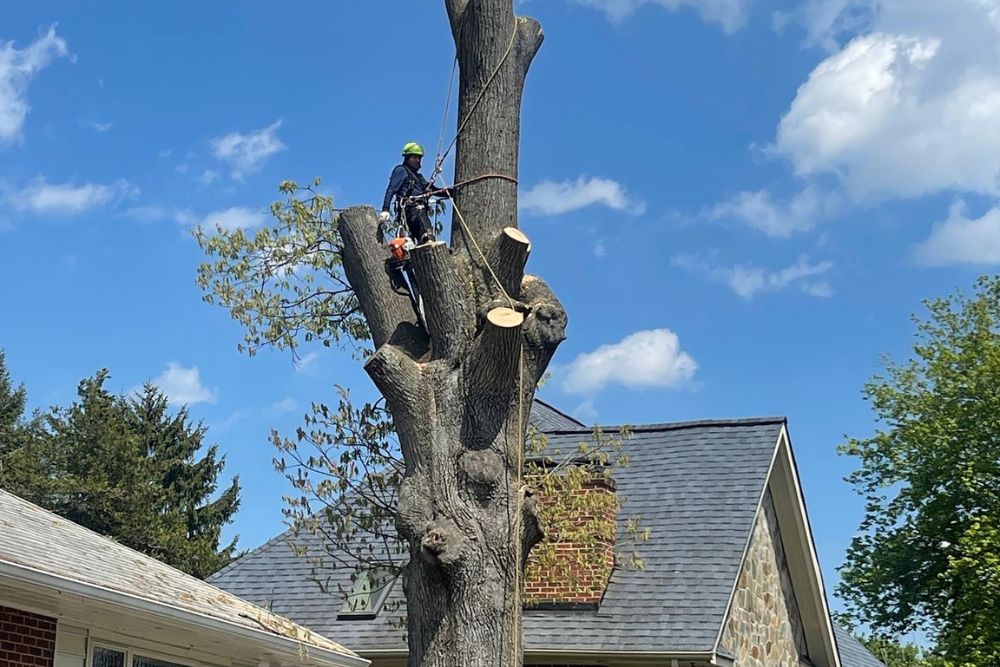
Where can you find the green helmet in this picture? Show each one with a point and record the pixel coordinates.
(413, 148)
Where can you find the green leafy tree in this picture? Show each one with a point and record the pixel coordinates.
(128, 468)
(898, 654)
(927, 555)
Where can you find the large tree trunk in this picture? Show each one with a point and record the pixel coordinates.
(460, 389)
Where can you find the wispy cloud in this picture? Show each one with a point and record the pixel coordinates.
(730, 15)
(775, 218)
(17, 68)
(555, 198)
(155, 213)
(183, 386)
(236, 217)
(963, 240)
(284, 406)
(207, 177)
(246, 153)
(101, 128)
(42, 197)
(307, 362)
(746, 280)
(641, 360)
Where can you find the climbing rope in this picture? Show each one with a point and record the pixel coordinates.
(486, 262)
(515, 522)
(441, 157)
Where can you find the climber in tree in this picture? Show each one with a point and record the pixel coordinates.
(407, 189)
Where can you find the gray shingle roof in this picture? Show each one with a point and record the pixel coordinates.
(546, 418)
(695, 485)
(37, 540)
(852, 652)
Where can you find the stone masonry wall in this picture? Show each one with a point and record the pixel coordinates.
(764, 628)
(26, 639)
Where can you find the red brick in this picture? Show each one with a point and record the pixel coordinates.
(26, 639)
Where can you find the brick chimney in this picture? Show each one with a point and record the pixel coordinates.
(572, 565)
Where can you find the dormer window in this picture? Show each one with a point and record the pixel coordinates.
(371, 587)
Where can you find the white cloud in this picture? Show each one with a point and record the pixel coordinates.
(283, 406)
(183, 386)
(644, 359)
(101, 128)
(909, 108)
(552, 198)
(600, 249)
(827, 20)
(42, 197)
(155, 213)
(148, 213)
(245, 153)
(746, 280)
(17, 68)
(230, 219)
(963, 240)
(776, 218)
(207, 177)
(232, 420)
(307, 362)
(730, 15)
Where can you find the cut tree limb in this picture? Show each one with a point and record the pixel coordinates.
(447, 310)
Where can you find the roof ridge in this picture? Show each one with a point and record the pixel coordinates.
(252, 552)
(561, 413)
(675, 426)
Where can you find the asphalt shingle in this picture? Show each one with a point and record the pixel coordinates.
(36, 539)
(852, 652)
(696, 487)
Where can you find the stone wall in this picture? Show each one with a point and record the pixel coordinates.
(764, 628)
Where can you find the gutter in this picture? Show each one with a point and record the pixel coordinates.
(274, 642)
(658, 658)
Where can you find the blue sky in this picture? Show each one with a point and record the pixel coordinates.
(740, 202)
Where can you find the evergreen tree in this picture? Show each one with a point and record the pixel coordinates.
(124, 467)
(12, 403)
(191, 523)
(23, 461)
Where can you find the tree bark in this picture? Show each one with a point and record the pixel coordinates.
(460, 391)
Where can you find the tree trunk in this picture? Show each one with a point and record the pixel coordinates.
(460, 388)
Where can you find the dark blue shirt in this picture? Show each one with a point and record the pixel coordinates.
(404, 182)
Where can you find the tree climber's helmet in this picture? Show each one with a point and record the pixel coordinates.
(413, 148)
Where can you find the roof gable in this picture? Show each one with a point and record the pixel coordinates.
(695, 485)
(784, 489)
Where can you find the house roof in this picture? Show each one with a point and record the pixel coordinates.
(545, 418)
(695, 485)
(50, 552)
(853, 652)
